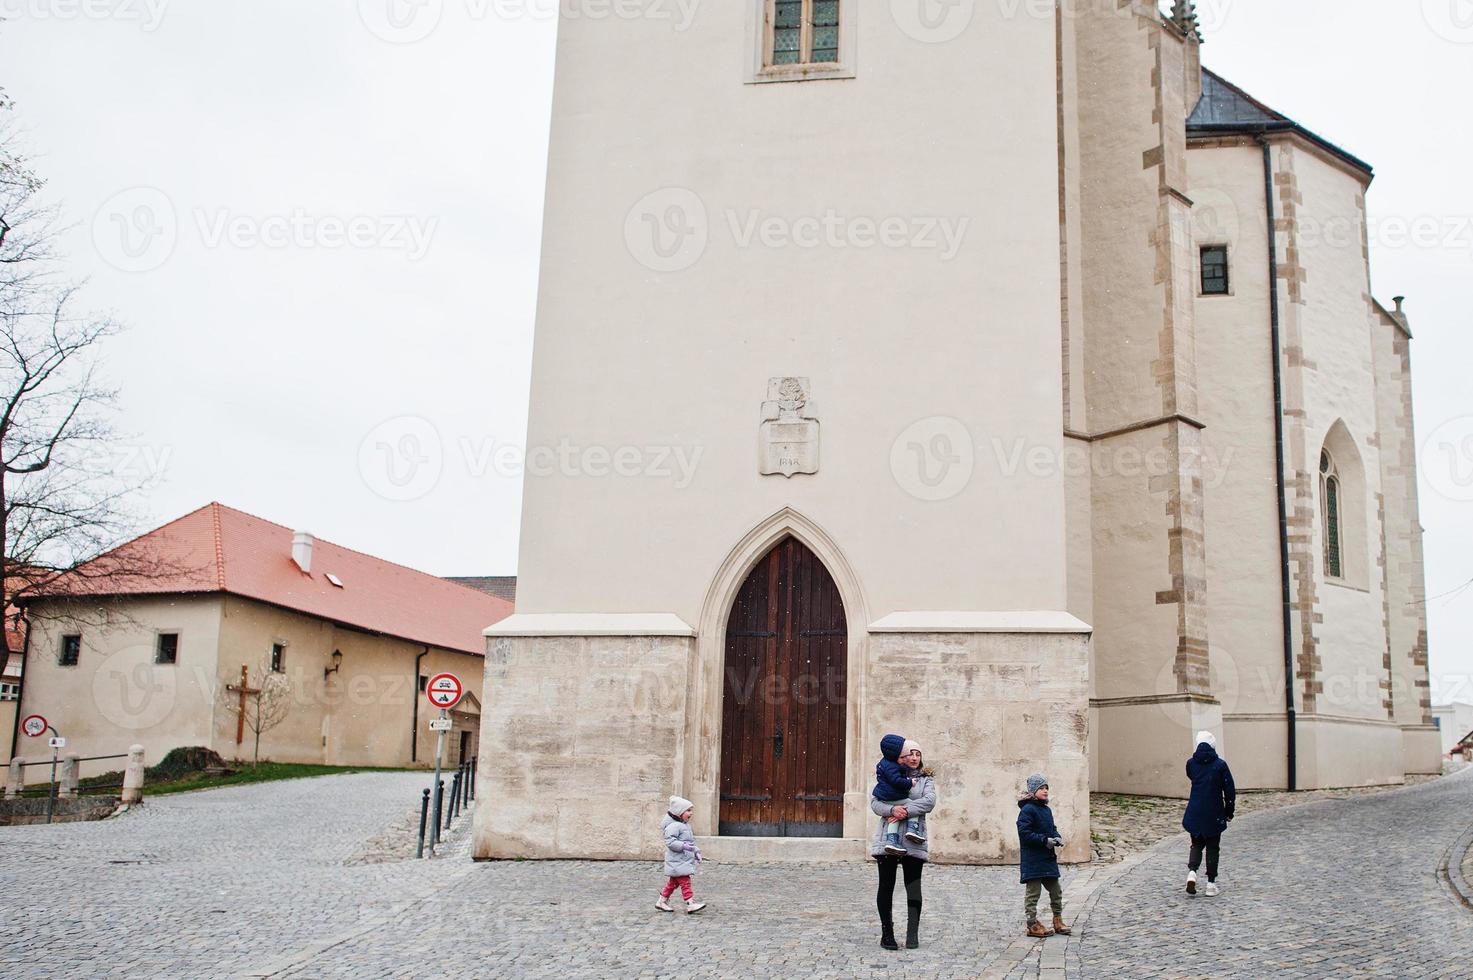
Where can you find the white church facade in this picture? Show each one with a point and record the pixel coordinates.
(946, 380)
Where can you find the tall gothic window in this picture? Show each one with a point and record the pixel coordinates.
(1330, 495)
(802, 32)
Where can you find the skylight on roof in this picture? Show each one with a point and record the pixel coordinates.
(334, 580)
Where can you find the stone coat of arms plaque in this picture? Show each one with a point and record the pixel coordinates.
(789, 432)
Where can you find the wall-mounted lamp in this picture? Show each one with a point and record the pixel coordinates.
(337, 662)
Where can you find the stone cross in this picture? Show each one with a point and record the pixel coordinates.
(245, 690)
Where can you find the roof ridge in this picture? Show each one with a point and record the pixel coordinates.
(215, 506)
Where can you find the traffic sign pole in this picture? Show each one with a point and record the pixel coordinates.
(439, 756)
(443, 691)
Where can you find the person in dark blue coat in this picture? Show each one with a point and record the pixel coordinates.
(1209, 811)
(1038, 866)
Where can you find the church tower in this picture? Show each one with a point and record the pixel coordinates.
(796, 458)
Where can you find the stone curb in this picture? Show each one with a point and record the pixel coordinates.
(1451, 871)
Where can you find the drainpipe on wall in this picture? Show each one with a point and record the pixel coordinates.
(1284, 571)
(414, 716)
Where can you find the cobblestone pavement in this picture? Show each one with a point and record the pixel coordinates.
(206, 884)
(1343, 888)
(1124, 825)
(268, 880)
(580, 919)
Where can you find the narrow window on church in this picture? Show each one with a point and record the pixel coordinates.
(1215, 270)
(168, 649)
(278, 658)
(71, 650)
(1330, 494)
(802, 32)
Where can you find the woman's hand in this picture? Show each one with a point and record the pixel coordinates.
(900, 813)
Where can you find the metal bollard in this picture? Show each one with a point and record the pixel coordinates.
(465, 789)
(450, 810)
(424, 812)
(473, 777)
(439, 802)
(133, 776)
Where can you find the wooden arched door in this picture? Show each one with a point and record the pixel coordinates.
(784, 702)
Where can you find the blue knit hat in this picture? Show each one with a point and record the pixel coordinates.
(1036, 782)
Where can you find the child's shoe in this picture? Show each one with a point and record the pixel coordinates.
(693, 906)
(914, 837)
(1061, 928)
(893, 845)
(1191, 882)
(664, 905)
(1211, 890)
(1037, 930)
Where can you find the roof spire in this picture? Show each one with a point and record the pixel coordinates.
(1184, 15)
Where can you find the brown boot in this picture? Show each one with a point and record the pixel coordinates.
(1037, 930)
(1060, 927)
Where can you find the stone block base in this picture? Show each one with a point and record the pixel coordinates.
(1421, 747)
(1142, 744)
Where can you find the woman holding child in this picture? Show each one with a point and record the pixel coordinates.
(904, 794)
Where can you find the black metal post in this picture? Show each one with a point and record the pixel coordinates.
(473, 777)
(466, 787)
(454, 794)
(424, 812)
(439, 802)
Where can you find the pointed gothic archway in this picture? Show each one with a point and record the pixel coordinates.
(785, 682)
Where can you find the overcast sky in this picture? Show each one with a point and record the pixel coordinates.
(322, 225)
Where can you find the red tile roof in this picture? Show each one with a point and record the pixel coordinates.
(219, 549)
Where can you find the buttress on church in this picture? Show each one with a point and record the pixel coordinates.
(1031, 401)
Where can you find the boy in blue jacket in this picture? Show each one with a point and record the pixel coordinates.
(1038, 839)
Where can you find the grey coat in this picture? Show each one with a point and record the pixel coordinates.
(922, 801)
(678, 863)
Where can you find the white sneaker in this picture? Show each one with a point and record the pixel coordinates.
(1211, 890)
(664, 905)
(691, 907)
(1191, 882)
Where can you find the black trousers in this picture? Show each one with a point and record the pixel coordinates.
(1212, 845)
(885, 896)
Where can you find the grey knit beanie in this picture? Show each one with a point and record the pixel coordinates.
(1036, 782)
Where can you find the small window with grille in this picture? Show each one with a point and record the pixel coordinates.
(71, 650)
(1215, 270)
(168, 649)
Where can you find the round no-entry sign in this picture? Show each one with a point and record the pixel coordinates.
(34, 726)
(444, 690)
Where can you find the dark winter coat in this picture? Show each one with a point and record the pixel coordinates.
(1036, 860)
(891, 779)
(1214, 798)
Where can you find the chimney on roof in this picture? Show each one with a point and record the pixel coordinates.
(302, 550)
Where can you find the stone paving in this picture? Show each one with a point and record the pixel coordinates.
(1344, 888)
(269, 880)
(204, 884)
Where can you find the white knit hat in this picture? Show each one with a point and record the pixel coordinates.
(679, 804)
(910, 746)
(1207, 737)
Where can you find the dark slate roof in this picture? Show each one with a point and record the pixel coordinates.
(501, 586)
(1225, 108)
